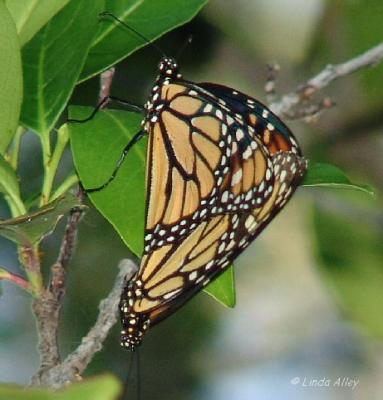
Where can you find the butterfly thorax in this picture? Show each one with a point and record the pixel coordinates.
(168, 72)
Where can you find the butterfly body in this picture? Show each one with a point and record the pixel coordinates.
(220, 167)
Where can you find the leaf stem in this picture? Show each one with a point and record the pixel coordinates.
(68, 182)
(15, 204)
(16, 279)
(13, 155)
(30, 260)
(51, 161)
(46, 150)
(12, 197)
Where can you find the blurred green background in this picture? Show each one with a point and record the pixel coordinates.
(310, 288)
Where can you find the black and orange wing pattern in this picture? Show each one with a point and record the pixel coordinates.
(220, 167)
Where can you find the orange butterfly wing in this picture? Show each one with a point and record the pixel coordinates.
(218, 172)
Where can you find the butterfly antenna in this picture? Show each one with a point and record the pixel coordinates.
(184, 46)
(138, 373)
(140, 35)
(128, 380)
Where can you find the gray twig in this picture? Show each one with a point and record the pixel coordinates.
(47, 306)
(74, 365)
(272, 75)
(284, 107)
(106, 79)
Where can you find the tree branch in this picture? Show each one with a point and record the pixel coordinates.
(47, 306)
(106, 80)
(74, 365)
(284, 107)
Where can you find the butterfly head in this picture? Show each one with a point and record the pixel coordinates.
(133, 325)
(169, 68)
(133, 329)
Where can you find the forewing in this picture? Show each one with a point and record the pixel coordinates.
(204, 160)
(268, 127)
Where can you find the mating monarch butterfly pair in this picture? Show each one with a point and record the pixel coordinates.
(220, 166)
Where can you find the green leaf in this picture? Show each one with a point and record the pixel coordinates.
(33, 227)
(31, 15)
(15, 392)
(326, 175)
(10, 78)
(53, 60)
(105, 387)
(351, 254)
(9, 185)
(96, 146)
(150, 18)
(223, 288)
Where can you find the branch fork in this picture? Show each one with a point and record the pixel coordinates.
(287, 104)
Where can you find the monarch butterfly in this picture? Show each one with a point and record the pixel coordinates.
(220, 166)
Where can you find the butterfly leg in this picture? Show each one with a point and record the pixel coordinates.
(134, 140)
(103, 103)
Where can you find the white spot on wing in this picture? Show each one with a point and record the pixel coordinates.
(247, 153)
(229, 120)
(219, 114)
(208, 108)
(249, 222)
(221, 248)
(171, 294)
(236, 177)
(239, 134)
(209, 264)
(193, 275)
